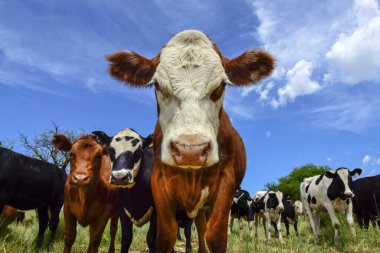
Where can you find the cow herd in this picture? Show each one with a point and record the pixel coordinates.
(189, 170)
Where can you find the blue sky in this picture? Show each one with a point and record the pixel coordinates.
(320, 105)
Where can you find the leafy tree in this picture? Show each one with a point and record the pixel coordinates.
(40, 146)
(271, 186)
(6, 144)
(290, 184)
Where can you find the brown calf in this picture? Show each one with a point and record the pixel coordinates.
(89, 198)
(199, 157)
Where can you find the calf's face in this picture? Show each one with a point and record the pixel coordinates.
(86, 157)
(190, 75)
(126, 152)
(341, 183)
(274, 201)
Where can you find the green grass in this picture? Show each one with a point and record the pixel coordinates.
(20, 238)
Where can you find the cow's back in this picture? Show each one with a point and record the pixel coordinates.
(27, 183)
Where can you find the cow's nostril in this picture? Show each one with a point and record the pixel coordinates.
(206, 150)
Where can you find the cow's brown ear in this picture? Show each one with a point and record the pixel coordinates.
(249, 68)
(132, 68)
(61, 142)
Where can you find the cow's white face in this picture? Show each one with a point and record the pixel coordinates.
(189, 73)
(298, 207)
(126, 150)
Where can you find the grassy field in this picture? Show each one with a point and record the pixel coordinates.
(20, 238)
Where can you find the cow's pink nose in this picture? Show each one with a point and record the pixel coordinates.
(80, 179)
(190, 152)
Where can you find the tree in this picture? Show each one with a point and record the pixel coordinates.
(40, 146)
(290, 184)
(6, 144)
(272, 186)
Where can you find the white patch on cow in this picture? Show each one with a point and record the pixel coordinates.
(298, 208)
(143, 220)
(204, 194)
(120, 144)
(236, 199)
(344, 174)
(188, 72)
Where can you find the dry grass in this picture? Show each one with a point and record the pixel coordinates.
(20, 238)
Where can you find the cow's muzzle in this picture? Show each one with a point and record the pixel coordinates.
(125, 178)
(190, 152)
(79, 179)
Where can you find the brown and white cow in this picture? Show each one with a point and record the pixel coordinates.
(199, 157)
(89, 198)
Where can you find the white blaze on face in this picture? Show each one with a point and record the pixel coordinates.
(344, 175)
(188, 72)
(125, 140)
(298, 209)
(280, 197)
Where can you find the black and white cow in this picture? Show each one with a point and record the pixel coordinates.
(292, 210)
(242, 208)
(269, 204)
(27, 183)
(330, 191)
(366, 203)
(132, 164)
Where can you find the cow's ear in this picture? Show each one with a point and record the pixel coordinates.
(148, 141)
(356, 172)
(61, 142)
(132, 68)
(249, 68)
(330, 174)
(102, 137)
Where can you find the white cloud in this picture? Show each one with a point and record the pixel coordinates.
(328, 159)
(366, 159)
(354, 57)
(369, 160)
(298, 84)
(268, 134)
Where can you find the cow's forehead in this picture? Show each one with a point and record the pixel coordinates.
(343, 173)
(188, 63)
(126, 140)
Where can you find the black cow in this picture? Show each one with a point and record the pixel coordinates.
(290, 214)
(27, 183)
(268, 204)
(242, 208)
(366, 203)
(132, 165)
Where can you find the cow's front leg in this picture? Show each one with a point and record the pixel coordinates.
(70, 229)
(216, 232)
(311, 219)
(350, 219)
(231, 224)
(334, 220)
(278, 225)
(152, 233)
(250, 226)
(267, 226)
(200, 224)
(166, 214)
(96, 232)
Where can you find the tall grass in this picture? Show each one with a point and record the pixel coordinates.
(19, 238)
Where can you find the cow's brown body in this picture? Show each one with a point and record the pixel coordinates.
(173, 187)
(91, 204)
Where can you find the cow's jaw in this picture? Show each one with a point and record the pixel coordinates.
(189, 71)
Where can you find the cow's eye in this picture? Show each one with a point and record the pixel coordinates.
(218, 92)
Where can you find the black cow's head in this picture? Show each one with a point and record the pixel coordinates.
(243, 200)
(341, 185)
(126, 150)
(274, 201)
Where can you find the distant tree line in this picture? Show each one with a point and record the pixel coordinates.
(290, 184)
